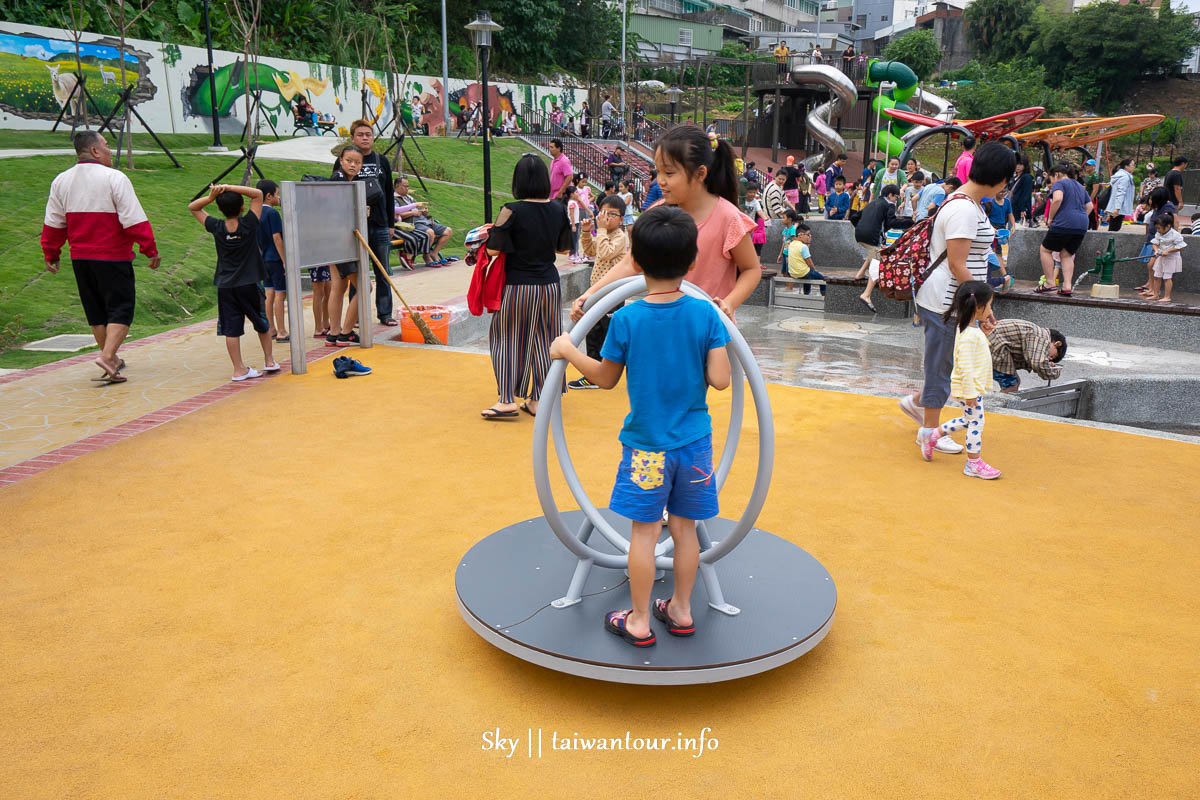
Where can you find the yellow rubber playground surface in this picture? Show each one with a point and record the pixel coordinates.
(256, 600)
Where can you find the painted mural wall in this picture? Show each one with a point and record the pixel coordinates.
(171, 86)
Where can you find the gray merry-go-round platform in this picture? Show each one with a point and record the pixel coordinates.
(539, 589)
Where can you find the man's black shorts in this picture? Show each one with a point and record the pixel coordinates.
(347, 268)
(237, 304)
(106, 290)
(1056, 241)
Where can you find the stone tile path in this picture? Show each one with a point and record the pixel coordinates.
(55, 410)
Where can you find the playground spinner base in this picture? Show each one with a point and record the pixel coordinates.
(506, 583)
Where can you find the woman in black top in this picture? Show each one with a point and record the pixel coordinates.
(529, 232)
(1021, 191)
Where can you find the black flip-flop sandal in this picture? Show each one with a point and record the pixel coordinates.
(659, 609)
(525, 407)
(869, 305)
(614, 622)
(496, 413)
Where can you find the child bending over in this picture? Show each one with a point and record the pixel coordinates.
(673, 347)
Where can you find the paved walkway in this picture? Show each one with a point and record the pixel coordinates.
(56, 406)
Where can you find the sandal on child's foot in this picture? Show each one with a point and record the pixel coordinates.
(663, 615)
(614, 622)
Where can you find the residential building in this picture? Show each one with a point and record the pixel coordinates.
(945, 19)
(664, 24)
(873, 15)
(667, 38)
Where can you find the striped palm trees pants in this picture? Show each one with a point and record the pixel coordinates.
(530, 317)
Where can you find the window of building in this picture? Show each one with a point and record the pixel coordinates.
(862, 20)
(685, 37)
(883, 18)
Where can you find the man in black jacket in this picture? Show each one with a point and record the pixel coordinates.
(877, 217)
(362, 135)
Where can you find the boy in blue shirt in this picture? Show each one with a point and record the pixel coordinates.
(673, 347)
(1000, 212)
(270, 244)
(839, 200)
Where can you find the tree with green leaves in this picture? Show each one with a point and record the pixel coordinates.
(1100, 50)
(1000, 30)
(919, 50)
(997, 88)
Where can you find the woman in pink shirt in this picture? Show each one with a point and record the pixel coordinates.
(696, 173)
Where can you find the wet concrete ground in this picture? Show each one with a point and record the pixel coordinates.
(826, 351)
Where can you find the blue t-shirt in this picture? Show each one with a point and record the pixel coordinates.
(1071, 216)
(269, 224)
(931, 194)
(1000, 212)
(837, 205)
(664, 347)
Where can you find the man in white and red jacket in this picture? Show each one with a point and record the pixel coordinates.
(93, 207)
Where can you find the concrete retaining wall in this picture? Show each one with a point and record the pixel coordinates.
(1149, 327)
(1025, 263)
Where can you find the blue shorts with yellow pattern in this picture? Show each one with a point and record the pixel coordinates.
(682, 480)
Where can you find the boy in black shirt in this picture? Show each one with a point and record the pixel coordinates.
(239, 270)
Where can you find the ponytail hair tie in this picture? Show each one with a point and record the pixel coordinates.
(712, 140)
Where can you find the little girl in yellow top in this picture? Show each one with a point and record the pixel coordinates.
(971, 377)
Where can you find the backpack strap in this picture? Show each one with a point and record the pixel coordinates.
(937, 262)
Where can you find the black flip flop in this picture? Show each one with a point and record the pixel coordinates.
(497, 414)
(868, 304)
(616, 624)
(525, 407)
(659, 609)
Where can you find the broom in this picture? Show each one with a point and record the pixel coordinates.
(414, 316)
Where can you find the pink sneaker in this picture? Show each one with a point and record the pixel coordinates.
(978, 468)
(927, 438)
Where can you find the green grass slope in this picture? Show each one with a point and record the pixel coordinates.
(35, 304)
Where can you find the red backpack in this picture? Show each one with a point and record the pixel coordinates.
(904, 265)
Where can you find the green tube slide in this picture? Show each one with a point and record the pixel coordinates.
(891, 141)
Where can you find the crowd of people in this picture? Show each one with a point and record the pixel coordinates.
(669, 346)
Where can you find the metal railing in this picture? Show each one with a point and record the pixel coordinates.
(585, 156)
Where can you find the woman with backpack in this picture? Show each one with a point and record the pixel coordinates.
(959, 244)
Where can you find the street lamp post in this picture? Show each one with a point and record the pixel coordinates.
(481, 29)
(673, 95)
(445, 78)
(212, 83)
(624, 25)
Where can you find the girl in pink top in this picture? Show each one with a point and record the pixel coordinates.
(696, 173)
